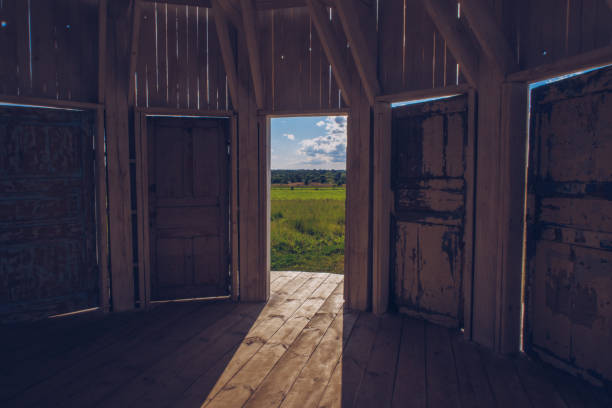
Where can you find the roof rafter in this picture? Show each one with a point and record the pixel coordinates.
(444, 16)
(250, 34)
(227, 53)
(364, 60)
(489, 35)
(330, 46)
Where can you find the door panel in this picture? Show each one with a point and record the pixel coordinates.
(188, 204)
(430, 177)
(569, 291)
(47, 215)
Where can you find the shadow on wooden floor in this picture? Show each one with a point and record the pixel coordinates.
(301, 349)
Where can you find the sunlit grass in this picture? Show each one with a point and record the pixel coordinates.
(307, 229)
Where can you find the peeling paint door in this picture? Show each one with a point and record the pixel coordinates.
(189, 207)
(432, 182)
(569, 270)
(47, 213)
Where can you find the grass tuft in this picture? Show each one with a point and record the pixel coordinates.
(307, 229)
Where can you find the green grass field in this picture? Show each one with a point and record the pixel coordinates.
(307, 229)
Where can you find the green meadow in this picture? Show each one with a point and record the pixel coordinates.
(307, 229)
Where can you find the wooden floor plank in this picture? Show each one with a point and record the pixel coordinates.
(275, 386)
(442, 386)
(540, 390)
(272, 318)
(301, 349)
(238, 390)
(308, 388)
(410, 387)
(377, 383)
(356, 355)
(172, 375)
(105, 381)
(159, 320)
(474, 387)
(332, 394)
(507, 388)
(62, 349)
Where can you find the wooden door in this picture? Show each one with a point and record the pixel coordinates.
(47, 213)
(569, 270)
(431, 171)
(188, 207)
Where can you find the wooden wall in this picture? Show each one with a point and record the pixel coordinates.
(297, 75)
(179, 60)
(412, 53)
(49, 52)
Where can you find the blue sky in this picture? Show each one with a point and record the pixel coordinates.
(314, 142)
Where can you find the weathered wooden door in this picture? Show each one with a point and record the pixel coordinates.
(432, 168)
(189, 207)
(47, 213)
(569, 271)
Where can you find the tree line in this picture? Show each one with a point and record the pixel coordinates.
(334, 177)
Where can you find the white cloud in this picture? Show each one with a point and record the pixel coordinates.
(328, 150)
(289, 136)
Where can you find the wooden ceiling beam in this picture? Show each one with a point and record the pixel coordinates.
(330, 44)
(227, 53)
(134, 42)
(250, 34)
(364, 58)
(444, 16)
(489, 35)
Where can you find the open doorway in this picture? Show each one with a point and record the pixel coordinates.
(308, 193)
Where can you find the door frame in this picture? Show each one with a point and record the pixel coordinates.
(383, 195)
(141, 116)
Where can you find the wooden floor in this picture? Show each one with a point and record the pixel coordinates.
(300, 350)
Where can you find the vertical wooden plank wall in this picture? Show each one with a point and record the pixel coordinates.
(381, 207)
(49, 49)
(358, 238)
(253, 199)
(118, 152)
(514, 106)
(179, 62)
(488, 188)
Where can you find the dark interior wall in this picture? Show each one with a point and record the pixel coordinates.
(179, 60)
(49, 49)
(296, 72)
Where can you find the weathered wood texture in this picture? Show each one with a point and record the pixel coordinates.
(412, 52)
(431, 170)
(358, 234)
(297, 75)
(49, 49)
(47, 213)
(382, 207)
(515, 105)
(179, 59)
(118, 153)
(302, 349)
(188, 202)
(569, 315)
(253, 188)
(489, 177)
